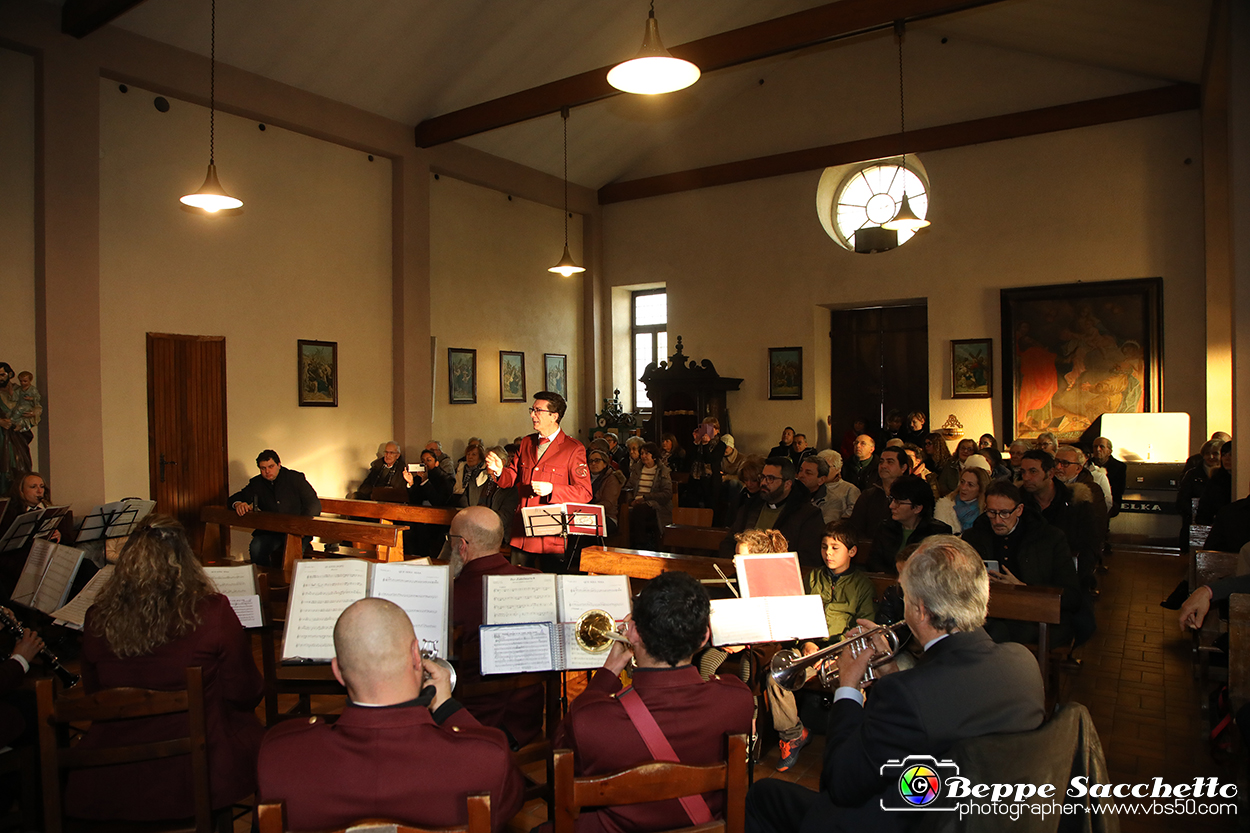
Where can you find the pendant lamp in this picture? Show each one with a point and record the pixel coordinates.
(653, 70)
(905, 219)
(567, 266)
(211, 197)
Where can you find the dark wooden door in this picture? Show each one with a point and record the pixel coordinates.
(187, 459)
(880, 362)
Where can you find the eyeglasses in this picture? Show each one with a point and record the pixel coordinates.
(1066, 463)
(769, 478)
(1001, 513)
(540, 411)
(897, 502)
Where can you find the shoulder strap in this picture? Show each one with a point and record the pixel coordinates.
(661, 750)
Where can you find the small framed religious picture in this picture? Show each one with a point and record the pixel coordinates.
(556, 373)
(461, 376)
(785, 372)
(511, 376)
(318, 373)
(972, 368)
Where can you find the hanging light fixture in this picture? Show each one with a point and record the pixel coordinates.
(905, 219)
(567, 266)
(211, 197)
(653, 70)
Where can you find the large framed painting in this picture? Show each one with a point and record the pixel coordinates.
(511, 376)
(556, 373)
(318, 373)
(461, 376)
(785, 372)
(1073, 352)
(972, 368)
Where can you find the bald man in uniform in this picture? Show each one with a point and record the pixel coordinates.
(397, 752)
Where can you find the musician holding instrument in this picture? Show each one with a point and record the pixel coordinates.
(12, 671)
(966, 686)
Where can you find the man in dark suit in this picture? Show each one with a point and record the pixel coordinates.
(397, 751)
(550, 467)
(275, 489)
(1117, 472)
(780, 505)
(964, 686)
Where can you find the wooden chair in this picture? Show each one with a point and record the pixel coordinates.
(117, 704)
(304, 681)
(653, 781)
(272, 819)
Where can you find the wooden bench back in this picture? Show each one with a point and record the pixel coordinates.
(647, 564)
(271, 818)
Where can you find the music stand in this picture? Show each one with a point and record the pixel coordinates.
(50, 520)
(21, 532)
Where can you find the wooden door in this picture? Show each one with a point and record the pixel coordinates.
(187, 459)
(880, 362)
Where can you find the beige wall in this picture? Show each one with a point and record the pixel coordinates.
(491, 291)
(309, 257)
(748, 266)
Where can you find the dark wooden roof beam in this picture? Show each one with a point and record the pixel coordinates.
(80, 18)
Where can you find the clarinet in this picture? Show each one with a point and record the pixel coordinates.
(68, 678)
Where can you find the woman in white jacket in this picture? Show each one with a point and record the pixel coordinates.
(964, 505)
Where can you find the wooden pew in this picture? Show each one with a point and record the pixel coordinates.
(693, 540)
(388, 513)
(1206, 566)
(1238, 650)
(647, 564)
(295, 527)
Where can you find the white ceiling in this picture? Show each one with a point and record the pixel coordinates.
(413, 59)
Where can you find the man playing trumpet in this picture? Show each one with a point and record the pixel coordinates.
(964, 686)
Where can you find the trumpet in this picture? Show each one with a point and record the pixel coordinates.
(11, 624)
(595, 631)
(789, 667)
(429, 650)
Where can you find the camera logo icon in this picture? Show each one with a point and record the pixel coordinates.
(919, 785)
(918, 780)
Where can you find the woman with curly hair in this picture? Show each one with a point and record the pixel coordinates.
(157, 615)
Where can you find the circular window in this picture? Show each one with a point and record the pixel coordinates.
(868, 194)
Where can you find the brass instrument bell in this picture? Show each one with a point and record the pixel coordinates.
(595, 631)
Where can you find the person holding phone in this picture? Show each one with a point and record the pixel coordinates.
(705, 471)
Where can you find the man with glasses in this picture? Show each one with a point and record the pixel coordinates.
(385, 472)
(778, 505)
(911, 519)
(1026, 550)
(873, 507)
(1073, 508)
(550, 467)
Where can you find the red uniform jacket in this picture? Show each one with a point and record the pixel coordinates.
(519, 712)
(563, 466)
(393, 762)
(694, 715)
(232, 690)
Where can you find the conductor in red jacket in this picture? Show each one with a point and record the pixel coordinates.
(549, 468)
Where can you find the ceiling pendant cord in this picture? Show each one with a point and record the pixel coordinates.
(212, 81)
(564, 118)
(899, 27)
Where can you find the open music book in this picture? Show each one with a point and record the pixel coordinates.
(47, 575)
(238, 584)
(113, 520)
(582, 519)
(768, 619)
(74, 614)
(529, 620)
(322, 590)
(770, 574)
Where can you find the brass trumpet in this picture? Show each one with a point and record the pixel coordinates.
(595, 631)
(789, 667)
(429, 650)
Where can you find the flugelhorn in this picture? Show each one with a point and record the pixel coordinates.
(10, 623)
(789, 667)
(595, 631)
(429, 650)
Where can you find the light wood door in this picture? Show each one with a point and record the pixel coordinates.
(187, 455)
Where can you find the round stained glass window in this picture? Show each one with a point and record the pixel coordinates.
(868, 194)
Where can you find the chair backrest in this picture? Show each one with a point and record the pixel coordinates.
(272, 819)
(389, 494)
(654, 781)
(692, 517)
(118, 704)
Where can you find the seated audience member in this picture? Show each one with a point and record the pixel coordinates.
(1195, 608)
(672, 455)
(783, 448)
(748, 485)
(847, 593)
(605, 486)
(779, 505)
(800, 450)
(669, 623)
(911, 520)
(965, 687)
(1196, 460)
(860, 469)
(1117, 471)
(987, 441)
(1070, 461)
(960, 509)
(920, 465)
(1072, 508)
(893, 428)
(1046, 441)
(397, 751)
(157, 615)
(858, 427)
(432, 485)
(705, 468)
(1016, 454)
(1028, 551)
(873, 506)
(503, 502)
(915, 430)
(1219, 489)
(386, 471)
(617, 453)
(651, 508)
(444, 461)
(937, 451)
(948, 475)
(633, 450)
(1192, 486)
(1231, 529)
(477, 441)
(472, 549)
(835, 498)
(998, 469)
(732, 461)
(275, 489)
(471, 475)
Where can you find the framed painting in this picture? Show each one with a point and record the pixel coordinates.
(785, 372)
(1073, 352)
(511, 376)
(318, 373)
(972, 368)
(556, 373)
(461, 376)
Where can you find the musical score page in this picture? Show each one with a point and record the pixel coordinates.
(768, 619)
(54, 589)
(519, 599)
(233, 581)
(247, 608)
(320, 592)
(423, 592)
(511, 649)
(75, 613)
(578, 594)
(41, 550)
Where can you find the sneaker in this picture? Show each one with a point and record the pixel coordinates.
(790, 750)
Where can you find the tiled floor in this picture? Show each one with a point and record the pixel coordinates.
(1135, 679)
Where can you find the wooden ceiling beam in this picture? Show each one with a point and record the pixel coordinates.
(738, 46)
(1114, 108)
(80, 18)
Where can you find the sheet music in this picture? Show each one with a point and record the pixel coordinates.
(233, 581)
(32, 572)
(517, 599)
(768, 619)
(75, 613)
(50, 520)
(538, 521)
(578, 594)
(247, 608)
(320, 592)
(797, 617)
(128, 517)
(423, 592)
(57, 579)
(93, 524)
(510, 649)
